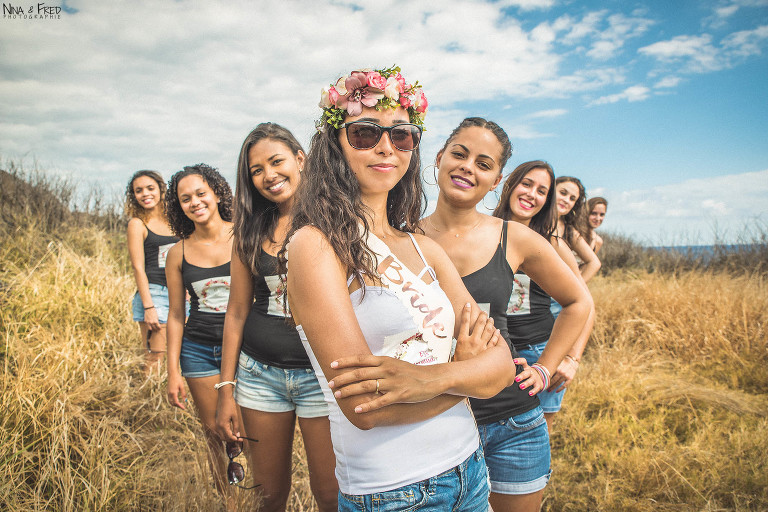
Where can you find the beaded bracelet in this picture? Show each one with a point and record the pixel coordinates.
(544, 372)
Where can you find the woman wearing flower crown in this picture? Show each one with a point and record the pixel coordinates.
(362, 285)
(199, 208)
(491, 255)
(275, 380)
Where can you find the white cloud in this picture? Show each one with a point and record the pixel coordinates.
(667, 82)
(631, 94)
(555, 112)
(698, 54)
(694, 207)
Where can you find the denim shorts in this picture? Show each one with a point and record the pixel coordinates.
(550, 401)
(461, 488)
(554, 307)
(268, 388)
(159, 294)
(198, 360)
(517, 453)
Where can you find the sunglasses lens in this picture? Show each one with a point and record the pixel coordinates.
(406, 137)
(235, 472)
(363, 135)
(234, 448)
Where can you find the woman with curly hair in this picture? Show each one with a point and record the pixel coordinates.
(597, 208)
(149, 239)
(199, 209)
(375, 299)
(570, 198)
(262, 352)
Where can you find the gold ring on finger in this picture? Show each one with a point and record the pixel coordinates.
(377, 386)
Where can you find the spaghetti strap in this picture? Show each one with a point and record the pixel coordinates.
(426, 268)
(504, 236)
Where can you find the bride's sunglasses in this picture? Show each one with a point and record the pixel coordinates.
(366, 134)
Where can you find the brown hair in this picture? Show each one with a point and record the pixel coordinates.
(544, 221)
(575, 220)
(591, 203)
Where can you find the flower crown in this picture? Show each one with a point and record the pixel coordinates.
(380, 88)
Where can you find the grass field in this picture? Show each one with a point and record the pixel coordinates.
(669, 411)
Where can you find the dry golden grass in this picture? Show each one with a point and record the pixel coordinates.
(669, 411)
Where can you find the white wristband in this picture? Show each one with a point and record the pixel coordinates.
(225, 383)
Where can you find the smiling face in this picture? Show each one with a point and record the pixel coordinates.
(469, 166)
(567, 193)
(147, 192)
(530, 195)
(198, 201)
(275, 170)
(597, 215)
(381, 167)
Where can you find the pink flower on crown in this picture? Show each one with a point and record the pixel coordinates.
(359, 94)
(392, 89)
(376, 81)
(333, 95)
(340, 86)
(421, 102)
(401, 81)
(406, 101)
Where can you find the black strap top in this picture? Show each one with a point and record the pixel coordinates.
(156, 249)
(268, 335)
(208, 289)
(493, 285)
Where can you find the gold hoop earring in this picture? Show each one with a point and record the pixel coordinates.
(434, 175)
(486, 206)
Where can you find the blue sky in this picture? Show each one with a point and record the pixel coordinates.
(661, 107)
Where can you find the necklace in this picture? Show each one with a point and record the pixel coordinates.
(457, 235)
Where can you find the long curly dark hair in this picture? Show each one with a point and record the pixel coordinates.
(181, 225)
(256, 216)
(131, 207)
(328, 198)
(545, 220)
(575, 221)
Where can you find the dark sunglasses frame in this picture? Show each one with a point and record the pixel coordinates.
(383, 129)
(233, 466)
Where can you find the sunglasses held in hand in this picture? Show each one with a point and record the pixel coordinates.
(235, 470)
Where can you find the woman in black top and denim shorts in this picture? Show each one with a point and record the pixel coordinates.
(262, 350)
(487, 251)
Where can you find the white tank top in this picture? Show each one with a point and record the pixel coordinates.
(388, 457)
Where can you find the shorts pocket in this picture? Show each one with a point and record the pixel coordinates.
(250, 366)
(408, 498)
(525, 421)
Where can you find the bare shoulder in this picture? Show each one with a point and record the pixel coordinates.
(174, 255)
(135, 226)
(308, 239)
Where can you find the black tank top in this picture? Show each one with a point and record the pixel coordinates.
(155, 252)
(529, 319)
(493, 285)
(267, 335)
(208, 296)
